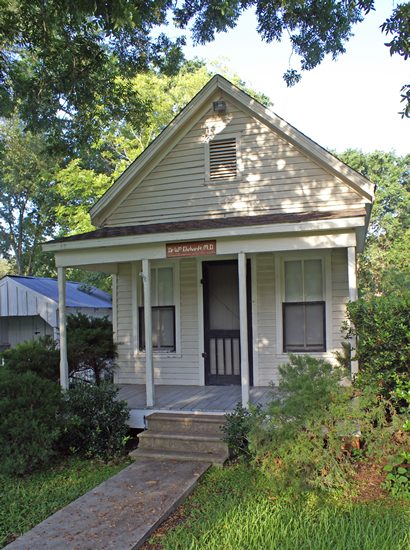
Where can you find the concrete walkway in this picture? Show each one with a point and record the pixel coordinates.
(120, 513)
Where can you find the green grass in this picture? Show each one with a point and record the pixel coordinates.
(25, 502)
(237, 509)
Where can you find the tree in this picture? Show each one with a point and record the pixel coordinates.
(27, 196)
(62, 62)
(60, 59)
(90, 346)
(385, 263)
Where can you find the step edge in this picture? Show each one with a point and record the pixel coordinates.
(179, 436)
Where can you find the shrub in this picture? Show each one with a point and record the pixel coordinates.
(90, 346)
(398, 475)
(39, 356)
(236, 430)
(310, 437)
(28, 427)
(94, 421)
(382, 326)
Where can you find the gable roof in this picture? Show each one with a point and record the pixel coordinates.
(181, 124)
(76, 295)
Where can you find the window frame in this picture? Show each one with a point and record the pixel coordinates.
(239, 167)
(160, 352)
(280, 259)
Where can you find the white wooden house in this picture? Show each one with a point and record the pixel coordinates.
(232, 240)
(29, 307)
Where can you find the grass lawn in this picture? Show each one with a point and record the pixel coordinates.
(25, 502)
(237, 508)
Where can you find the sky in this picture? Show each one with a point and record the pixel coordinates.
(352, 102)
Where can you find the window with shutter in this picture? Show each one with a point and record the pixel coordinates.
(223, 162)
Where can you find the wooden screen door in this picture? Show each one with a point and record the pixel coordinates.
(221, 322)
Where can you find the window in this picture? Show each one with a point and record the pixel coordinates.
(304, 306)
(163, 311)
(223, 159)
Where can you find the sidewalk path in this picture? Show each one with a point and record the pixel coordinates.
(121, 512)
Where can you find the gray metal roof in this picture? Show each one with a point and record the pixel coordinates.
(77, 294)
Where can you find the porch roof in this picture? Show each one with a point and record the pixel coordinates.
(211, 223)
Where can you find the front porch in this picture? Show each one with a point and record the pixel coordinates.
(187, 399)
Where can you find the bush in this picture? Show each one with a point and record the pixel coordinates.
(236, 430)
(90, 346)
(28, 428)
(94, 421)
(311, 436)
(39, 356)
(382, 326)
(398, 475)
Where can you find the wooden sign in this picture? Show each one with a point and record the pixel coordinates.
(198, 248)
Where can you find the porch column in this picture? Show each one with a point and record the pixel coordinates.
(352, 281)
(134, 309)
(63, 328)
(243, 321)
(149, 371)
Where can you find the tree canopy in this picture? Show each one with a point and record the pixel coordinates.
(62, 62)
(385, 263)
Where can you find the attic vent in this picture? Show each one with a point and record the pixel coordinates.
(222, 159)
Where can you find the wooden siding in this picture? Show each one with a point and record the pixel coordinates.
(185, 368)
(275, 178)
(169, 368)
(269, 350)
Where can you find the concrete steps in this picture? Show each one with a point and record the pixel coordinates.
(191, 437)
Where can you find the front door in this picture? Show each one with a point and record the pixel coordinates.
(221, 323)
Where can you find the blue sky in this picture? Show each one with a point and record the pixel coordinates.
(351, 102)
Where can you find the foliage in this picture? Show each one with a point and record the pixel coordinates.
(239, 507)
(398, 475)
(94, 421)
(28, 428)
(90, 346)
(79, 189)
(27, 196)
(39, 356)
(385, 264)
(236, 429)
(65, 67)
(26, 502)
(398, 25)
(7, 267)
(382, 325)
(310, 437)
(60, 62)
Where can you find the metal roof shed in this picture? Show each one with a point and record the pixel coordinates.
(29, 307)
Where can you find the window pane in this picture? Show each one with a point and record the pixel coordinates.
(313, 280)
(165, 295)
(165, 335)
(294, 327)
(163, 328)
(304, 327)
(315, 327)
(293, 281)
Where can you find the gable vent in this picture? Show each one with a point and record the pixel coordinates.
(222, 159)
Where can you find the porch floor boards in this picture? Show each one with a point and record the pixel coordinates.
(192, 398)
